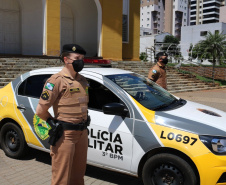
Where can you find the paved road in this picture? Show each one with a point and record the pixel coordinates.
(35, 169)
(213, 98)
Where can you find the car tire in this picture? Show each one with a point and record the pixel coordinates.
(12, 141)
(167, 169)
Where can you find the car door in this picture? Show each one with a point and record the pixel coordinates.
(110, 136)
(27, 96)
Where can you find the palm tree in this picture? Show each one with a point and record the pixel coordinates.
(213, 47)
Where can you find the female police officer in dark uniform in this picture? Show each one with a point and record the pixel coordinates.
(67, 92)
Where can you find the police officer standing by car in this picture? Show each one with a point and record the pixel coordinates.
(67, 92)
(158, 72)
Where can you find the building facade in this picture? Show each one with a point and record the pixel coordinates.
(223, 14)
(205, 11)
(179, 18)
(152, 15)
(164, 16)
(108, 29)
(193, 34)
(152, 44)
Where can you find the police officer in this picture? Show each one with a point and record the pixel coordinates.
(158, 72)
(67, 92)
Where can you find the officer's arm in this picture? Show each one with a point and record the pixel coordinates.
(49, 94)
(42, 112)
(153, 75)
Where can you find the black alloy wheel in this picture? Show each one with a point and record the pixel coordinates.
(12, 140)
(168, 169)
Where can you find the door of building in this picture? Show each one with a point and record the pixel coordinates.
(10, 27)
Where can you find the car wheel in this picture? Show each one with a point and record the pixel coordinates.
(168, 169)
(12, 140)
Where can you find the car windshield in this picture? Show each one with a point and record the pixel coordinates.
(145, 91)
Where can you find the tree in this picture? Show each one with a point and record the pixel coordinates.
(171, 44)
(213, 48)
(196, 51)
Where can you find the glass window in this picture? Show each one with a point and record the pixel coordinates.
(99, 95)
(125, 21)
(33, 86)
(143, 90)
(203, 33)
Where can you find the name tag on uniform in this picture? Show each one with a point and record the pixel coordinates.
(74, 89)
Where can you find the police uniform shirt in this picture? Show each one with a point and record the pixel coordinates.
(158, 74)
(68, 96)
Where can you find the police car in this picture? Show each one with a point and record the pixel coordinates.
(136, 127)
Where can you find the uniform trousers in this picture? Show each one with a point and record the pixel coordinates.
(69, 157)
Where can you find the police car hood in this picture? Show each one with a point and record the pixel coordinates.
(195, 118)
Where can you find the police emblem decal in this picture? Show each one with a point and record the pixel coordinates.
(41, 127)
(49, 86)
(73, 48)
(45, 95)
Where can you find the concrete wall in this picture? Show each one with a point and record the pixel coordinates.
(149, 42)
(85, 24)
(191, 34)
(130, 50)
(112, 29)
(146, 42)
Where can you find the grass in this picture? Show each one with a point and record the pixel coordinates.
(190, 65)
(204, 79)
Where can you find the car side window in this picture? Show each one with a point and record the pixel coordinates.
(99, 95)
(33, 86)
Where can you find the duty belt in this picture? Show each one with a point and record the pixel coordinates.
(71, 126)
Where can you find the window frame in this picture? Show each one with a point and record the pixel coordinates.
(108, 86)
(25, 86)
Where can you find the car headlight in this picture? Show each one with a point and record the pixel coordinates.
(215, 144)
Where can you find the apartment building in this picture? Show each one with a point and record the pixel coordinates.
(164, 15)
(176, 16)
(152, 15)
(205, 11)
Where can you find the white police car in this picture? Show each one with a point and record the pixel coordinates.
(136, 127)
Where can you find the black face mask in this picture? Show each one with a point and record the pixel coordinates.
(78, 65)
(165, 60)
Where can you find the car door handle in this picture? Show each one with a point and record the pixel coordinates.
(21, 107)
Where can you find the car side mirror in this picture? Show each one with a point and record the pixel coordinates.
(115, 109)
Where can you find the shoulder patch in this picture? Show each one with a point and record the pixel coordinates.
(49, 86)
(45, 95)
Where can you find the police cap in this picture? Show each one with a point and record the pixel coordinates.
(73, 48)
(160, 54)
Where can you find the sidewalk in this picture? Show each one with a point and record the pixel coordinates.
(35, 169)
(214, 98)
